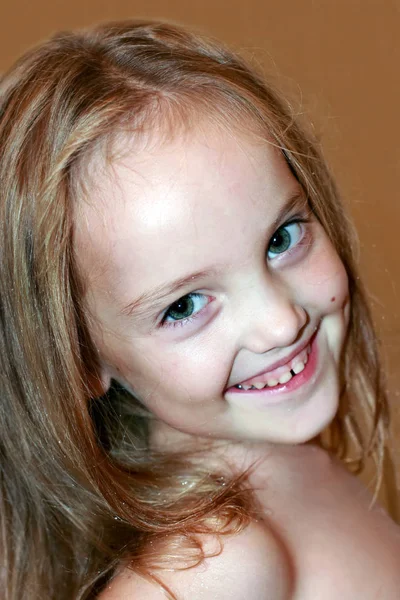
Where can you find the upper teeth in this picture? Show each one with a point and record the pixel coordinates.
(259, 386)
(285, 377)
(296, 368)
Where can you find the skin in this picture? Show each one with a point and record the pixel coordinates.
(319, 540)
(214, 202)
(210, 202)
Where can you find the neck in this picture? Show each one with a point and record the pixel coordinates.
(232, 453)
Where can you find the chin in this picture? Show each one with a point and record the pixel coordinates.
(312, 428)
(295, 424)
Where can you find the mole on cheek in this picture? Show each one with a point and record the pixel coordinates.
(333, 299)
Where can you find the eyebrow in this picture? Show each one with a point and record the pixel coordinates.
(157, 294)
(140, 305)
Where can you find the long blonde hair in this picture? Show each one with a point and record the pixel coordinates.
(72, 504)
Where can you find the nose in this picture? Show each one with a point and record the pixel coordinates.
(269, 317)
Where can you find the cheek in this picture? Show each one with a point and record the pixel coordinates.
(329, 296)
(180, 390)
(324, 281)
(337, 292)
(198, 369)
(152, 369)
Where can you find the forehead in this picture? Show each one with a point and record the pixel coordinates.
(182, 201)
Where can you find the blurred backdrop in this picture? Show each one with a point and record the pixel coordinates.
(339, 59)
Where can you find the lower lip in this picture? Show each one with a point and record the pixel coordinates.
(272, 395)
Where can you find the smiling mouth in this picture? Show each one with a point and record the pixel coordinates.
(280, 375)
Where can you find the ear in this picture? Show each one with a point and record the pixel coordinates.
(99, 383)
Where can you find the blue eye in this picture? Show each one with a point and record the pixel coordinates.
(285, 238)
(185, 308)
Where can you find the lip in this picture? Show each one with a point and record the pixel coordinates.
(273, 395)
(279, 363)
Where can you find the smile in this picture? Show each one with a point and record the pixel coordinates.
(281, 375)
(297, 371)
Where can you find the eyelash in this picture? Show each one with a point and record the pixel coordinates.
(185, 320)
(296, 220)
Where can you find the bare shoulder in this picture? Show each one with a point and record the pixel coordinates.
(252, 563)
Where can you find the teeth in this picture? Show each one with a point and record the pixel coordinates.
(298, 367)
(272, 382)
(259, 386)
(285, 377)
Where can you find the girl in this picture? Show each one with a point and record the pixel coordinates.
(180, 314)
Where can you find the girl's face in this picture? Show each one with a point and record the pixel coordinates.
(219, 300)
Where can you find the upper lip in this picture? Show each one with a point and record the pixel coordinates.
(280, 362)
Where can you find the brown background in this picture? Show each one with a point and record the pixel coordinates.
(339, 59)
